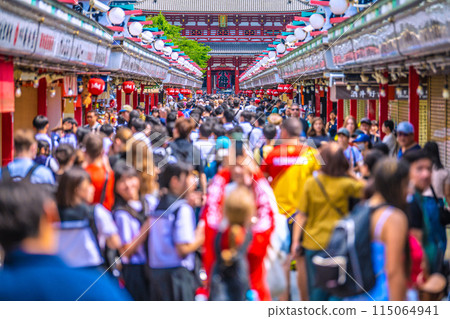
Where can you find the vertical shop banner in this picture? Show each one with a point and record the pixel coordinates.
(6, 86)
(223, 80)
(223, 21)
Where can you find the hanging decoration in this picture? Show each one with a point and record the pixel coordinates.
(223, 80)
(96, 86)
(128, 87)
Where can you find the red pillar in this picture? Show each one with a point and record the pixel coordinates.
(383, 111)
(119, 98)
(414, 101)
(236, 81)
(208, 81)
(147, 103)
(340, 113)
(42, 97)
(317, 98)
(354, 108)
(7, 137)
(329, 104)
(372, 109)
(135, 99)
(78, 110)
(127, 99)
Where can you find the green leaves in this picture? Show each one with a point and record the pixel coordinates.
(198, 52)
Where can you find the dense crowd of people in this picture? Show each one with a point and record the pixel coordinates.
(221, 198)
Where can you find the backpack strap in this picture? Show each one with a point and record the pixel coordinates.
(103, 195)
(380, 223)
(90, 215)
(6, 175)
(325, 194)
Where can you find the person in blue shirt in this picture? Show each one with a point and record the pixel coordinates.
(70, 126)
(173, 238)
(23, 166)
(352, 153)
(32, 271)
(405, 139)
(40, 123)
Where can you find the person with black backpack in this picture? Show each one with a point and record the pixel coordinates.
(174, 238)
(323, 201)
(85, 231)
(130, 213)
(23, 167)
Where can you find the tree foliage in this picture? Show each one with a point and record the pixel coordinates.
(198, 52)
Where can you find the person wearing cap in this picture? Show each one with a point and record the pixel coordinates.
(125, 113)
(352, 153)
(364, 125)
(405, 139)
(363, 143)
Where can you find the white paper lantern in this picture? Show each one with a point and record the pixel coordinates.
(135, 29)
(116, 15)
(291, 39)
(159, 45)
(317, 21)
(147, 36)
(272, 54)
(167, 50)
(300, 34)
(338, 6)
(181, 60)
(174, 56)
(281, 48)
(265, 60)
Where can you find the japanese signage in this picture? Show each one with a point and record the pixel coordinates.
(223, 21)
(426, 28)
(343, 53)
(402, 93)
(83, 51)
(17, 34)
(364, 93)
(54, 43)
(102, 56)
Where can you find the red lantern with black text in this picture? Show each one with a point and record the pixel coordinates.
(128, 87)
(96, 86)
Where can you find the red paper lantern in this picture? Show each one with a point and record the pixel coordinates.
(96, 86)
(257, 101)
(199, 92)
(275, 93)
(176, 91)
(170, 91)
(269, 92)
(128, 87)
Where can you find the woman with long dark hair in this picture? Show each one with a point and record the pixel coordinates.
(317, 132)
(389, 231)
(440, 178)
(130, 213)
(83, 228)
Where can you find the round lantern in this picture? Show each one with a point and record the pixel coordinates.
(291, 39)
(170, 91)
(280, 88)
(128, 87)
(199, 92)
(269, 92)
(257, 101)
(177, 91)
(300, 34)
(338, 7)
(174, 56)
(96, 86)
(116, 15)
(135, 29)
(272, 54)
(317, 21)
(281, 48)
(159, 45)
(167, 51)
(147, 36)
(275, 93)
